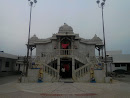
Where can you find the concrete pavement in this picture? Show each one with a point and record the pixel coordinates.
(62, 90)
(65, 90)
(8, 79)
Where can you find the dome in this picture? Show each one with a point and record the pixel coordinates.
(65, 29)
(95, 38)
(33, 39)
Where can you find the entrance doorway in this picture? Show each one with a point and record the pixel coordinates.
(66, 64)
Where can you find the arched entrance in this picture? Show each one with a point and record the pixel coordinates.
(66, 64)
(65, 43)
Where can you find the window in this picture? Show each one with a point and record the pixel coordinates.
(41, 55)
(117, 65)
(123, 64)
(7, 64)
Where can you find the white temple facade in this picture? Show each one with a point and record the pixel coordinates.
(65, 50)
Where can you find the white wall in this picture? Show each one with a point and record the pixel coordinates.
(16, 67)
(43, 48)
(85, 49)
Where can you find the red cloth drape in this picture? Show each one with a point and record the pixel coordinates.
(66, 66)
(64, 46)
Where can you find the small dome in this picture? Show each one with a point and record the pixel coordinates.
(65, 29)
(95, 38)
(33, 39)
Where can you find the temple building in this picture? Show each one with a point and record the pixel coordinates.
(65, 55)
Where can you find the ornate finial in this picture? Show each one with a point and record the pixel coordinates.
(65, 24)
(95, 35)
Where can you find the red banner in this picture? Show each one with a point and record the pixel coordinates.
(66, 66)
(64, 46)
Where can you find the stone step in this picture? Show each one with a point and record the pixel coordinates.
(67, 80)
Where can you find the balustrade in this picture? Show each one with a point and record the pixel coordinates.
(81, 71)
(51, 71)
(65, 51)
(46, 68)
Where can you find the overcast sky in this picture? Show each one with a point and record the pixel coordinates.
(83, 16)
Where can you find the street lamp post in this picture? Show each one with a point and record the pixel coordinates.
(31, 3)
(101, 5)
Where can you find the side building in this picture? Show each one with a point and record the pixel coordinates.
(10, 64)
(118, 61)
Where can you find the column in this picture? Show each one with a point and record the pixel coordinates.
(31, 52)
(99, 52)
(30, 63)
(58, 59)
(73, 67)
(72, 45)
(111, 67)
(102, 51)
(58, 67)
(59, 46)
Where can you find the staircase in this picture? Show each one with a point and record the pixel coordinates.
(50, 74)
(81, 74)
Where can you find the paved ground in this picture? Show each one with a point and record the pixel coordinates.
(125, 79)
(8, 79)
(64, 90)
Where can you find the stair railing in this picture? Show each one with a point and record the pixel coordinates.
(51, 71)
(81, 71)
(46, 68)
